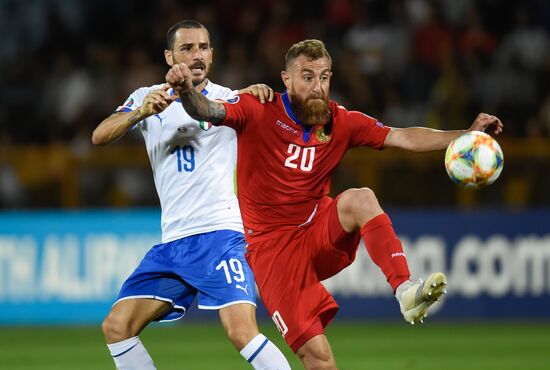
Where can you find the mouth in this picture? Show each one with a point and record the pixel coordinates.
(316, 97)
(197, 68)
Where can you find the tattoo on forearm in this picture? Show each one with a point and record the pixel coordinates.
(200, 107)
(134, 118)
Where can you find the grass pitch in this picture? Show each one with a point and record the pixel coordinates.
(361, 346)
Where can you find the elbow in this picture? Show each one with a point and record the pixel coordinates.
(98, 139)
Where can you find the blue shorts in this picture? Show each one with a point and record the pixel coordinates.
(210, 265)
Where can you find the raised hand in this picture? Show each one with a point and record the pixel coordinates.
(485, 121)
(179, 78)
(156, 101)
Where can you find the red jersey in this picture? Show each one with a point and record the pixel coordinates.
(283, 167)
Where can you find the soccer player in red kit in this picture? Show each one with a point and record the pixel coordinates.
(297, 236)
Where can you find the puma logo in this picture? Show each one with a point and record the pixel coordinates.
(242, 288)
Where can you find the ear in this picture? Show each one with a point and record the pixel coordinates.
(168, 57)
(286, 79)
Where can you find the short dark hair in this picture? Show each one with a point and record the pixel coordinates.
(171, 34)
(313, 49)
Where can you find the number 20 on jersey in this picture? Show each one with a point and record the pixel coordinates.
(300, 158)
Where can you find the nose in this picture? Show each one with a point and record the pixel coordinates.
(197, 55)
(317, 86)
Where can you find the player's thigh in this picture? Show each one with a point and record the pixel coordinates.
(223, 277)
(239, 322)
(133, 314)
(316, 353)
(332, 248)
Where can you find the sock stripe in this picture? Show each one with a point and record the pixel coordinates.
(258, 350)
(120, 354)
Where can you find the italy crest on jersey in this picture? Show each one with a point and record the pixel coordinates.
(205, 125)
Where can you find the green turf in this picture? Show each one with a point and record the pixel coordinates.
(356, 346)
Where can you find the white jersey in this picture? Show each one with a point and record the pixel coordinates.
(193, 167)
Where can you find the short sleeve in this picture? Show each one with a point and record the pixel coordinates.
(135, 100)
(238, 111)
(367, 131)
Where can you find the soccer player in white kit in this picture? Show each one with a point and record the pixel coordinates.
(202, 249)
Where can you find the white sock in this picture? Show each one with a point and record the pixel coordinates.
(401, 288)
(264, 355)
(130, 354)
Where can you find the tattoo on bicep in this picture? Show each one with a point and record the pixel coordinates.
(216, 111)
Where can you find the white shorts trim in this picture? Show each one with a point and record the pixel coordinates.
(202, 307)
(170, 237)
(168, 300)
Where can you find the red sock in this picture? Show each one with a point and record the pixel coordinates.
(385, 249)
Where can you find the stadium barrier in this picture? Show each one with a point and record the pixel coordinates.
(63, 176)
(65, 267)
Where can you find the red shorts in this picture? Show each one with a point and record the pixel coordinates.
(289, 266)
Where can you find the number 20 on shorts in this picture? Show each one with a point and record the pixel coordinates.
(279, 322)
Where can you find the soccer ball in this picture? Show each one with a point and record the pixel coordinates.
(474, 160)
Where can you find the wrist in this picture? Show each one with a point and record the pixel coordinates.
(142, 114)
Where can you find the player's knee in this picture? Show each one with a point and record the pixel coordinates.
(240, 337)
(318, 361)
(358, 201)
(115, 329)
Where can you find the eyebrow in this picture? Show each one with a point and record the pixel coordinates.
(193, 43)
(307, 70)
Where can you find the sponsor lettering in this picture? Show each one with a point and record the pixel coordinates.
(288, 128)
(66, 268)
(497, 266)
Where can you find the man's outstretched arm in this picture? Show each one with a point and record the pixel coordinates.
(197, 105)
(422, 139)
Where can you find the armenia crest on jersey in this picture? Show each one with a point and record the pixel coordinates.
(321, 136)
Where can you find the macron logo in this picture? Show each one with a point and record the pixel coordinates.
(286, 127)
(398, 254)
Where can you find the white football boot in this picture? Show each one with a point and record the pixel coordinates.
(416, 297)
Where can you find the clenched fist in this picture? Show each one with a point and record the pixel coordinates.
(179, 78)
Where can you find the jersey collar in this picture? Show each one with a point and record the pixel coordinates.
(306, 130)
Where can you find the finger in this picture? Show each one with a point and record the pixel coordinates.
(158, 108)
(164, 94)
(182, 70)
(177, 74)
(171, 78)
(270, 94)
(265, 93)
(260, 93)
(155, 99)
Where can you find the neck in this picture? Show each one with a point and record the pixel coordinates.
(202, 85)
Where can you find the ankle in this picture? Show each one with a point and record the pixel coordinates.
(401, 288)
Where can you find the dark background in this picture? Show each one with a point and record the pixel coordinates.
(66, 65)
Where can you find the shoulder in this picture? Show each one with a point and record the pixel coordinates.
(243, 99)
(147, 89)
(141, 92)
(215, 91)
(349, 116)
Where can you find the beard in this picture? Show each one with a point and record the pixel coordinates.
(198, 80)
(314, 110)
